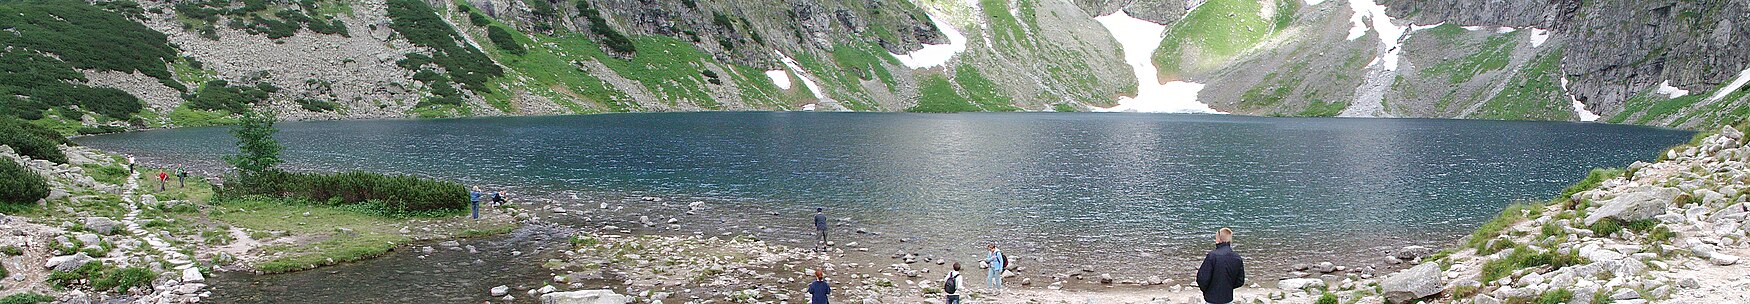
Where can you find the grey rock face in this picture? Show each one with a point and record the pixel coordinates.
(1414, 283)
(1637, 204)
(585, 297)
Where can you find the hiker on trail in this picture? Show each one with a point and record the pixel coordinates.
(997, 261)
(820, 226)
(951, 284)
(1222, 270)
(162, 179)
(818, 289)
(181, 174)
(474, 203)
(130, 163)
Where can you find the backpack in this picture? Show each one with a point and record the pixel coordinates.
(1006, 263)
(949, 286)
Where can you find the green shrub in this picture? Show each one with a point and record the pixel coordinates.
(1522, 257)
(1660, 235)
(504, 40)
(26, 298)
(220, 95)
(392, 195)
(104, 129)
(1328, 298)
(1558, 296)
(478, 19)
(1592, 180)
(1491, 229)
(102, 276)
(317, 105)
(12, 250)
(1606, 227)
(19, 185)
(31, 140)
(3, 272)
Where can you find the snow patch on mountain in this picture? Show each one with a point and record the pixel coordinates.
(808, 83)
(1743, 77)
(1539, 36)
(1370, 15)
(780, 78)
(1669, 91)
(1139, 39)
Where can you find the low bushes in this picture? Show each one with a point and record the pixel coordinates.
(26, 298)
(19, 185)
(102, 276)
(389, 194)
(1522, 257)
(32, 140)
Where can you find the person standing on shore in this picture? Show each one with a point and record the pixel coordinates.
(818, 289)
(1222, 270)
(997, 261)
(820, 227)
(163, 178)
(130, 164)
(951, 284)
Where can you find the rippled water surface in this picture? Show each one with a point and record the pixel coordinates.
(1079, 188)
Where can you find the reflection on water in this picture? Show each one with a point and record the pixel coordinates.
(1071, 188)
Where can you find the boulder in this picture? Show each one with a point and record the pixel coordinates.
(601, 296)
(101, 225)
(1412, 284)
(192, 275)
(1410, 253)
(1636, 204)
(1300, 284)
(68, 263)
(1325, 267)
(500, 291)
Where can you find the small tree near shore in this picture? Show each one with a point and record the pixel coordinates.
(258, 151)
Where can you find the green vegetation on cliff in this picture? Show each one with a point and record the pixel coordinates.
(464, 65)
(1534, 93)
(51, 40)
(1216, 31)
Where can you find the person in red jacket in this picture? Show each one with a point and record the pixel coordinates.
(162, 179)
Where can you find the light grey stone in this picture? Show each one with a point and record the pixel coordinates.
(1411, 284)
(1636, 204)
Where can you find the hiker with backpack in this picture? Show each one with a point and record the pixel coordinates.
(163, 178)
(951, 284)
(997, 261)
(181, 173)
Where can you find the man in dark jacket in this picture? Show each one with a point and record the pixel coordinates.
(820, 227)
(1222, 270)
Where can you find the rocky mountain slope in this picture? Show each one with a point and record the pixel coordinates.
(1667, 63)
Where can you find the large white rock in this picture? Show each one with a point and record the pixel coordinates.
(1636, 204)
(192, 275)
(1300, 284)
(1412, 284)
(601, 296)
(67, 263)
(500, 291)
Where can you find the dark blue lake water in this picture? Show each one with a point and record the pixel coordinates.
(1077, 188)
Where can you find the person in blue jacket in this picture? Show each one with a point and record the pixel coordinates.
(818, 289)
